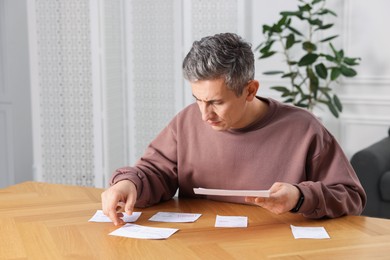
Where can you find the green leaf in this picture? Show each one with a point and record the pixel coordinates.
(351, 61)
(338, 54)
(288, 22)
(282, 21)
(324, 27)
(276, 29)
(324, 89)
(292, 62)
(327, 96)
(337, 103)
(267, 47)
(333, 110)
(300, 104)
(305, 8)
(313, 82)
(309, 46)
(329, 38)
(316, 2)
(273, 72)
(290, 13)
(323, 101)
(335, 73)
(327, 11)
(315, 22)
(290, 75)
(303, 102)
(308, 59)
(294, 30)
(266, 28)
(299, 89)
(333, 49)
(281, 89)
(321, 70)
(268, 54)
(290, 40)
(330, 58)
(348, 72)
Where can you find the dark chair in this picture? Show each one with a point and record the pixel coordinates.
(372, 165)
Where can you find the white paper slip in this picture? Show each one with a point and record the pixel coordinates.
(142, 232)
(309, 232)
(231, 221)
(174, 217)
(245, 193)
(100, 217)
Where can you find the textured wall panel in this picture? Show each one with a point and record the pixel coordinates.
(153, 74)
(211, 17)
(115, 94)
(65, 91)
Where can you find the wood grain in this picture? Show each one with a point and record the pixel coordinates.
(50, 221)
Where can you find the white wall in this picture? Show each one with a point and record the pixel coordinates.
(15, 105)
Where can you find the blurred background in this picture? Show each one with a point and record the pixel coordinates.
(85, 85)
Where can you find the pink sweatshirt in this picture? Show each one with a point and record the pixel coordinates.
(287, 145)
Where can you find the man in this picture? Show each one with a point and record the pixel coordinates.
(233, 139)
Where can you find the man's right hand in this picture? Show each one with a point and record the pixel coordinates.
(123, 192)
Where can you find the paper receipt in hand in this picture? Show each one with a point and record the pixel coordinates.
(243, 193)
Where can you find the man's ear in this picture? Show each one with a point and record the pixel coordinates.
(252, 88)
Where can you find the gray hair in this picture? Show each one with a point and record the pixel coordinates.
(224, 55)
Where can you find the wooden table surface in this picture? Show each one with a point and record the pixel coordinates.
(50, 221)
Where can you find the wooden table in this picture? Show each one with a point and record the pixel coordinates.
(50, 221)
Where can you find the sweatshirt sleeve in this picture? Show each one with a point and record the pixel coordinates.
(332, 188)
(155, 174)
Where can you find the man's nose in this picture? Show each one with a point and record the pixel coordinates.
(206, 110)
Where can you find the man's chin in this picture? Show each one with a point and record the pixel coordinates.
(218, 127)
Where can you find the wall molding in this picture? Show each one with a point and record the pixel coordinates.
(350, 8)
(354, 129)
(367, 100)
(3, 91)
(8, 176)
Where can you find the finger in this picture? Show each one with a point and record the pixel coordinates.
(255, 200)
(105, 203)
(129, 206)
(120, 216)
(250, 199)
(120, 207)
(110, 209)
(259, 200)
(113, 215)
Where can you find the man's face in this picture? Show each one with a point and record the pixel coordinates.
(219, 106)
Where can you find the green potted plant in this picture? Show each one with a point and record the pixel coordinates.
(314, 65)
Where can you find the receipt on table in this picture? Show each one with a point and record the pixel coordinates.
(142, 232)
(175, 217)
(231, 221)
(100, 217)
(309, 232)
